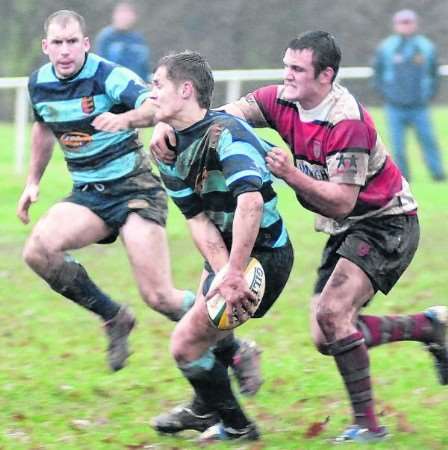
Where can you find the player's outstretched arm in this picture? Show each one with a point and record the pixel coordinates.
(140, 117)
(42, 143)
(163, 135)
(330, 199)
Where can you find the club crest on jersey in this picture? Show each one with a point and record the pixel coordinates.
(88, 104)
(317, 149)
(363, 249)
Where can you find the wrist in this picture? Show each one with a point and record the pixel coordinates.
(31, 181)
(290, 175)
(128, 119)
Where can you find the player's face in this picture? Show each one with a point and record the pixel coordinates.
(300, 82)
(66, 48)
(166, 97)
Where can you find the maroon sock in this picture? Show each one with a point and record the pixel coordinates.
(352, 361)
(379, 330)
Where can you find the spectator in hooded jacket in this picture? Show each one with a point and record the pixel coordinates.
(406, 77)
(121, 44)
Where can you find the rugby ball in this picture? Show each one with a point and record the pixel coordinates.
(217, 306)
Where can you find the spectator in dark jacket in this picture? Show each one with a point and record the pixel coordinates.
(120, 44)
(406, 76)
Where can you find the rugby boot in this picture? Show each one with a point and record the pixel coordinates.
(246, 368)
(438, 347)
(192, 416)
(356, 434)
(118, 330)
(219, 432)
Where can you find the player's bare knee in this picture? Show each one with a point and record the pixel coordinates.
(327, 318)
(320, 342)
(162, 303)
(179, 348)
(35, 254)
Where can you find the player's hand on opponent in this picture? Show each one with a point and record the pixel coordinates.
(111, 122)
(279, 162)
(30, 195)
(163, 137)
(241, 301)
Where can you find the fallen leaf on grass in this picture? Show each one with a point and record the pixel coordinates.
(403, 424)
(387, 410)
(316, 428)
(80, 424)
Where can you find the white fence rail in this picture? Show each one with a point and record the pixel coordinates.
(232, 78)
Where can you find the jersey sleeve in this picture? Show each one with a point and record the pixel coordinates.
(188, 202)
(256, 106)
(241, 164)
(348, 150)
(127, 88)
(31, 86)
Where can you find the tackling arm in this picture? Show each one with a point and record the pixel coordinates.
(329, 199)
(140, 117)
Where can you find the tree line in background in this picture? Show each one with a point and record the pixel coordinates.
(230, 33)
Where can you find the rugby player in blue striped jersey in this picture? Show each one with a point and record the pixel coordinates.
(114, 191)
(222, 186)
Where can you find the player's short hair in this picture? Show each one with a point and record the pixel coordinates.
(326, 52)
(190, 66)
(63, 17)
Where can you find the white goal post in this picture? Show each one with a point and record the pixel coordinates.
(232, 78)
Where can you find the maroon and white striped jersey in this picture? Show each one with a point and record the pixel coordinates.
(335, 141)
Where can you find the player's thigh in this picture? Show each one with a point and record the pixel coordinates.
(346, 291)
(68, 226)
(147, 248)
(195, 334)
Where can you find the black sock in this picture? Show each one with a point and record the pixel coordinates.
(213, 388)
(226, 348)
(73, 282)
(199, 407)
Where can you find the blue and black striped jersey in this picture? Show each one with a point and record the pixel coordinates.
(68, 107)
(218, 159)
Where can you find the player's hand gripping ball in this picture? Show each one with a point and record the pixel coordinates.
(217, 307)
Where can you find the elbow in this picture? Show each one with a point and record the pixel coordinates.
(342, 210)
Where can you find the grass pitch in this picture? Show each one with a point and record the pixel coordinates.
(55, 389)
